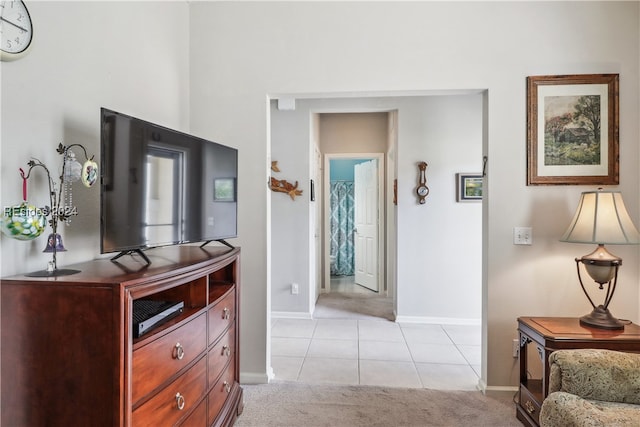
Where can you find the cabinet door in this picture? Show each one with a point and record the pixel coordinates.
(59, 355)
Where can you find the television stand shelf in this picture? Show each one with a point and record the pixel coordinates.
(69, 356)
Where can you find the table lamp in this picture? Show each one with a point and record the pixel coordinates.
(601, 218)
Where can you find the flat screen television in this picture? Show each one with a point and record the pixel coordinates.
(163, 187)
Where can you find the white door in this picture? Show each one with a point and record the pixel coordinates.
(366, 223)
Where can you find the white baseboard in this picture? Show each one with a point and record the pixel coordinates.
(484, 388)
(254, 377)
(438, 320)
(509, 388)
(291, 315)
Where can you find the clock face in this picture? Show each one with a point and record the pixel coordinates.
(422, 191)
(15, 28)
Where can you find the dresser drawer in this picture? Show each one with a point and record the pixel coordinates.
(198, 417)
(220, 355)
(222, 315)
(219, 393)
(175, 400)
(530, 404)
(159, 360)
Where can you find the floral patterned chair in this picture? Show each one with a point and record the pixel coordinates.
(589, 388)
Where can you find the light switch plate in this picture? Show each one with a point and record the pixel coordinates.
(522, 236)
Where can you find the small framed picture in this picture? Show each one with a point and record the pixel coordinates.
(468, 187)
(224, 190)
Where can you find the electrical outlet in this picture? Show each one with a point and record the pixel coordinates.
(294, 289)
(522, 236)
(515, 348)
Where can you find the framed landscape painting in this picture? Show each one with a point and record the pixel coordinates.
(572, 129)
(468, 187)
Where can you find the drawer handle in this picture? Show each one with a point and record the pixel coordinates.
(178, 351)
(225, 313)
(529, 407)
(180, 401)
(226, 350)
(227, 387)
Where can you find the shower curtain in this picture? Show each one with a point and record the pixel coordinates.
(342, 226)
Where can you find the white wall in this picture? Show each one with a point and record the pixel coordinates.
(439, 243)
(291, 229)
(85, 55)
(353, 132)
(242, 53)
(231, 56)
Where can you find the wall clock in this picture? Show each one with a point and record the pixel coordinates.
(422, 190)
(16, 30)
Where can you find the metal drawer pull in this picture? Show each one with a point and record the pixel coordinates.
(226, 350)
(178, 352)
(529, 407)
(180, 401)
(225, 313)
(227, 386)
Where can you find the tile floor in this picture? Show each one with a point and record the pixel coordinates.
(376, 352)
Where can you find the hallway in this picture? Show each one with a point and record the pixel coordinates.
(348, 348)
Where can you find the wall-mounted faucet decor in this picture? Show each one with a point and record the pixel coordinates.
(282, 185)
(422, 190)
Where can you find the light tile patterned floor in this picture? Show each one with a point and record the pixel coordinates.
(376, 352)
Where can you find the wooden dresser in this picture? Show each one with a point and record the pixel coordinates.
(69, 356)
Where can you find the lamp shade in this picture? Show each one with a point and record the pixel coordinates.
(601, 218)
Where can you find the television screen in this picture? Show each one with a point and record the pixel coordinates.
(163, 187)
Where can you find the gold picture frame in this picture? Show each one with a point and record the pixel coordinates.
(572, 129)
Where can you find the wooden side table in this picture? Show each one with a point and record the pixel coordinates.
(549, 334)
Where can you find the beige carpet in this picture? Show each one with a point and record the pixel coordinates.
(308, 405)
(351, 305)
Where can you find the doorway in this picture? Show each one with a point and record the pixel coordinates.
(336, 126)
(354, 218)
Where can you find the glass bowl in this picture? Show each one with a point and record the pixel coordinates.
(23, 221)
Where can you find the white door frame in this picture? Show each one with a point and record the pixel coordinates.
(381, 215)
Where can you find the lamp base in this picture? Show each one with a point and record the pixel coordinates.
(53, 273)
(601, 318)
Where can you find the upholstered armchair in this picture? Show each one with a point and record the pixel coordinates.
(589, 388)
